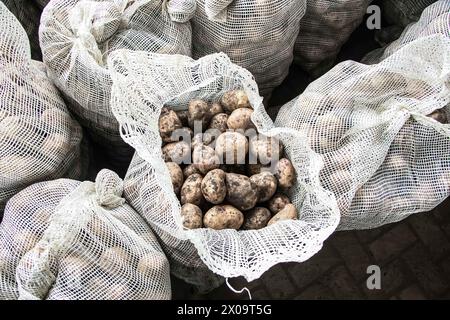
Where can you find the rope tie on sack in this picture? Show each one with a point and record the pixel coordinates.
(109, 189)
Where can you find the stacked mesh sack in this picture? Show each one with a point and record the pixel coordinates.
(397, 14)
(326, 26)
(174, 81)
(38, 138)
(76, 37)
(28, 13)
(258, 35)
(386, 156)
(71, 240)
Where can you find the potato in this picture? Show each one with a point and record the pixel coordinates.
(205, 159)
(285, 173)
(191, 216)
(265, 149)
(288, 213)
(439, 115)
(207, 138)
(241, 191)
(183, 115)
(266, 185)
(255, 168)
(213, 186)
(113, 258)
(240, 119)
(340, 181)
(219, 122)
(182, 134)
(198, 111)
(191, 191)
(215, 108)
(168, 123)
(176, 174)
(189, 170)
(257, 218)
(55, 145)
(232, 148)
(150, 264)
(235, 99)
(278, 202)
(223, 217)
(178, 152)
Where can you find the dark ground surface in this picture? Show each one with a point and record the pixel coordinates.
(414, 255)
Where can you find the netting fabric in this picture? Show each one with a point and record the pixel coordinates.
(174, 81)
(38, 138)
(385, 157)
(326, 26)
(258, 35)
(66, 239)
(76, 37)
(403, 12)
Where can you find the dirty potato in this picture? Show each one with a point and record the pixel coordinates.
(223, 217)
(285, 173)
(278, 202)
(219, 122)
(213, 186)
(191, 216)
(232, 147)
(235, 99)
(266, 185)
(198, 111)
(176, 174)
(241, 191)
(191, 191)
(215, 108)
(183, 115)
(255, 168)
(168, 123)
(439, 115)
(257, 218)
(240, 119)
(288, 213)
(178, 152)
(205, 159)
(189, 170)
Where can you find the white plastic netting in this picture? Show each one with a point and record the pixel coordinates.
(326, 26)
(73, 240)
(38, 138)
(175, 80)
(258, 35)
(28, 13)
(76, 37)
(435, 19)
(384, 157)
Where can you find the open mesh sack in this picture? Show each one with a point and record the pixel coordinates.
(38, 138)
(76, 37)
(175, 80)
(258, 35)
(66, 239)
(326, 26)
(384, 157)
(28, 13)
(435, 19)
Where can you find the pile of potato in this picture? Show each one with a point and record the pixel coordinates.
(213, 171)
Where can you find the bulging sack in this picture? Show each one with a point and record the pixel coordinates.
(257, 35)
(174, 81)
(435, 19)
(38, 138)
(76, 37)
(66, 239)
(383, 131)
(326, 26)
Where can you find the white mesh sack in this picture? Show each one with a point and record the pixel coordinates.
(28, 13)
(73, 240)
(403, 12)
(174, 81)
(258, 35)
(76, 37)
(386, 156)
(435, 19)
(326, 26)
(38, 138)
